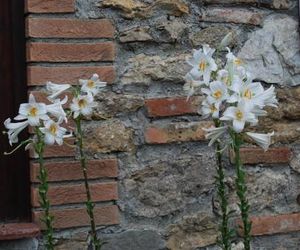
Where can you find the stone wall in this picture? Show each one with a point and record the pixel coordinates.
(166, 195)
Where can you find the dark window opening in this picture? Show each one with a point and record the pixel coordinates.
(14, 169)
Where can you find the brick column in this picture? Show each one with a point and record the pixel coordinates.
(45, 55)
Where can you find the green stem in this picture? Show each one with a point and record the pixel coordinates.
(43, 191)
(89, 204)
(241, 190)
(224, 228)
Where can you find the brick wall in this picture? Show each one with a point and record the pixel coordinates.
(145, 134)
(63, 49)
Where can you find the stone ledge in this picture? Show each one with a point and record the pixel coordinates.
(12, 231)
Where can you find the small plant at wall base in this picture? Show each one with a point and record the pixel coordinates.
(45, 122)
(82, 107)
(235, 102)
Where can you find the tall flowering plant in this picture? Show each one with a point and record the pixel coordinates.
(235, 102)
(45, 122)
(81, 107)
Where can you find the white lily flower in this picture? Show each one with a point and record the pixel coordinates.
(56, 109)
(14, 129)
(56, 89)
(33, 111)
(234, 67)
(224, 77)
(53, 132)
(262, 140)
(239, 115)
(249, 92)
(232, 81)
(203, 63)
(214, 134)
(191, 85)
(212, 109)
(83, 105)
(232, 59)
(217, 92)
(268, 97)
(92, 85)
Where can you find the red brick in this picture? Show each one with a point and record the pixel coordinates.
(50, 6)
(78, 217)
(161, 107)
(176, 132)
(71, 170)
(266, 225)
(232, 15)
(69, 28)
(258, 155)
(39, 75)
(12, 231)
(75, 193)
(70, 52)
(58, 151)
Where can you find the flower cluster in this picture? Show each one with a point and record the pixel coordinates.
(83, 101)
(47, 118)
(46, 121)
(232, 95)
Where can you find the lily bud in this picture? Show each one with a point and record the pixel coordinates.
(226, 40)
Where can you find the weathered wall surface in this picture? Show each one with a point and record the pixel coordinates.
(166, 196)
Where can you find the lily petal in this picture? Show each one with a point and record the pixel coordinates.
(262, 140)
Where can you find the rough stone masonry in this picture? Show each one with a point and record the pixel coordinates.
(166, 193)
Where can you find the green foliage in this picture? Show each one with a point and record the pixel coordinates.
(241, 189)
(226, 233)
(47, 219)
(89, 204)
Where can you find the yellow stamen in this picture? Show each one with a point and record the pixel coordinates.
(91, 84)
(82, 103)
(213, 108)
(239, 115)
(217, 94)
(237, 61)
(33, 111)
(53, 129)
(202, 65)
(248, 94)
